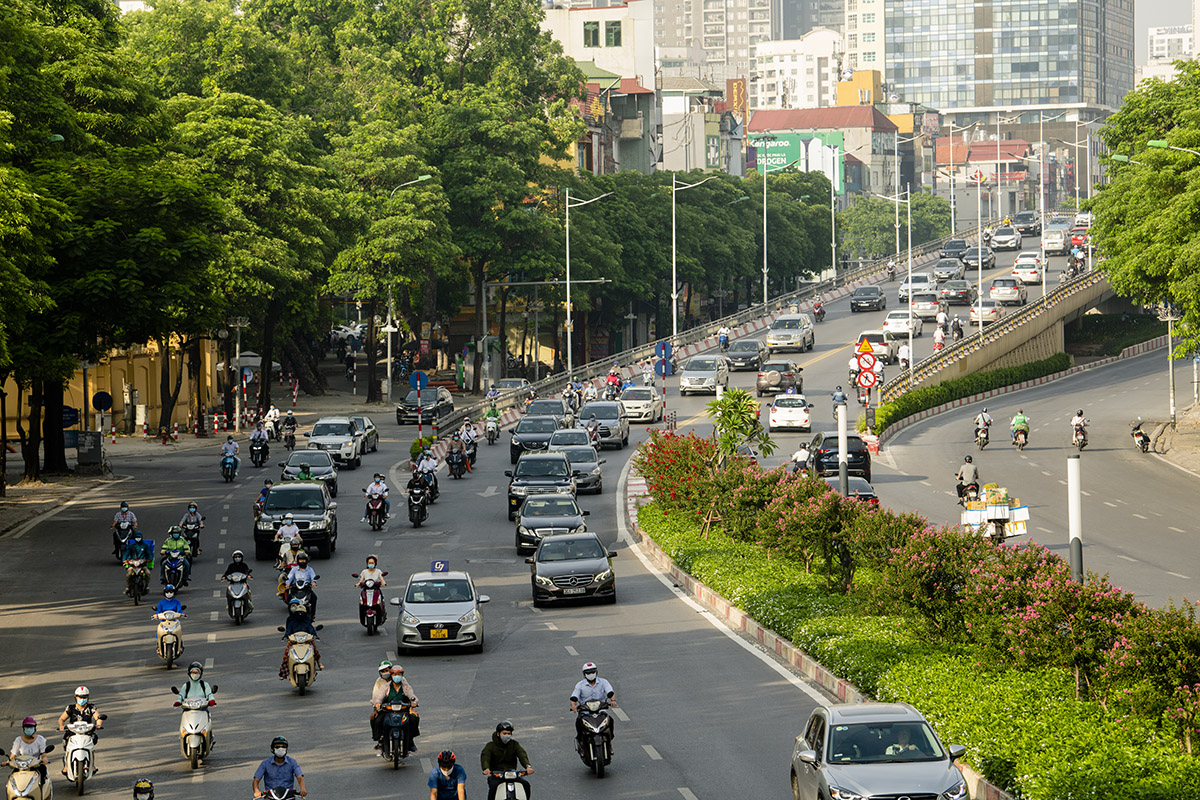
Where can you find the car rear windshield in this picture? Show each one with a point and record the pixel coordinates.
(787, 324)
(745, 344)
(528, 425)
(897, 316)
(956, 244)
(333, 429)
(549, 507)
(309, 499)
(545, 407)
(428, 397)
(957, 285)
(874, 338)
(1004, 283)
(450, 590)
(792, 401)
(924, 298)
(568, 436)
(883, 743)
(777, 366)
(571, 550)
(638, 394)
(580, 455)
(701, 364)
(599, 411)
(541, 468)
(314, 458)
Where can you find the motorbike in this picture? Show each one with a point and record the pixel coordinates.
(372, 611)
(472, 447)
(956, 332)
(891, 272)
(258, 453)
(138, 584)
(395, 733)
(1022, 438)
(196, 738)
(79, 759)
(647, 377)
(1080, 439)
(289, 439)
(302, 592)
(191, 532)
(492, 428)
(228, 468)
(969, 493)
(173, 569)
(279, 793)
(121, 536)
(596, 748)
(417, 511)
(170, 636)
(1141, 439)
(593, 430)
(238, 603)
(301, 660)
(611, 390)
(376, 515)
(723, 342)
(981, 437)
(25, 781)
(819, 311)
(457, 464)
(511, 788)
(431, 484)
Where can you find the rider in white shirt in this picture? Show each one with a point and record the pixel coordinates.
(589, 392)
(1078, 424)
(983, 420)
(272, 417)
(468, 433)
(231, 448)
(377, 488)
(427, 465)
(904, 353)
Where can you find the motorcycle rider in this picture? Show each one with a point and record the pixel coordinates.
(281, 771)
(470, 435)
(592, 687)
(143, 790)
(136, 548)
(1078, 427)
(904, 354)
(943, 321)
(968, 473)
(272, 418)
(378, 692)
(239, 565)
(231, 448)
(447, 781)
(82, 708)
(372, 572)
(30, 743)
(305, 473)
(457, 445)
(288, 530)
(298, 621)
(193, 517)
(982, 420)
(176, 541)
(939, 338)
(590, 392)
(302, 571)
(196, 686)
(393, 688)
(427, 465)
(613, 381)
(262, 495)
(1019, 422)
(259, 436)
(415, 482)
(289, 424)
(169, 602)
(839, 397)
(377, 488)
(723, 333)
(124, 515)
(492, 413)
(800, 458)
(891, 268)
(501, 754)
(956, 328)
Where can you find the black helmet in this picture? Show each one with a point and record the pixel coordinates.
(967, 459)
(504, 726)
(446, 758)
(302, 557)
(143, 789)
(278, 741)
(1079, 413)
(195, 665)
(838, 389)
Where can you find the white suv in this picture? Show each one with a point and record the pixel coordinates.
(919, 283)
(339, 437)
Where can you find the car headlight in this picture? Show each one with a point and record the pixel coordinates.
(469, 617)
(522, 530)
(265, 525)
(604, 576)
(841, 794)
(956, 792)
(543, 581)
(409, 619)
(516, 440)
(518, 491)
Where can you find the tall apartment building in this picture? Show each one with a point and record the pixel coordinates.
(797, 73)
(1170, 42)
(794, 18)
(721, 33)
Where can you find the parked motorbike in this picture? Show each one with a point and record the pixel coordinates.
(492, 429)
(170, 636)
(456, 463)
(819, 311)
(191, 532)
(394, 740)
(301, 660)
(258, 453)
(596, 748)
(173, 569)
(238, 603)
(417, 511)
(228, 468)
(196, 738)
(372, 611)
(137, 584)
(25, 781)
(1141, 439)
(79, 759)
(981, 437)
(121, 536)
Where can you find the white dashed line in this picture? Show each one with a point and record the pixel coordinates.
(208, 663)
(378, 542)
(1110, 505)
(1085, 494)
(1064, 483)
(926, 483)
(1177, 530)
(621, 715)
(1139, 516)
(1047, 474)
(1177, 575)
(550, 626)
(220, 561)
(216, 592)
(687, 793)
(426, 765)
(220, 545)
(224, 531)
(391, 654)
(197, 777)
(224, 519)
(1045, 530)
(212, 616)
(571, 651)
(226, 506)
(1127, 558)
(650, 751)
(1155, 513)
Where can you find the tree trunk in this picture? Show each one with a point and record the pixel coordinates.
(4, 434)
(169, 395)
(480, 327)
(54, 447)
(310, 380)
(31, 443)
(372, 351)
(274, 310)
(196, 376)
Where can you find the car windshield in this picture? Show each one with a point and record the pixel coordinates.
(791, 401)
(545, 407)
(549, 507)
(989, 305)
(957, 285)
(701, 364)
(956, 244)
(580, 455)
(310, 499)
(333, 429)
(883, 743)
(897, 316)
(449, 590)
(531, 425)
(873, 338)
(607, 412)
(428, 397)
(570, 437)
(868, 291)
(637, 394)
(786, 323)
(510, 383)
(1005, 231)
(570, 550)
(777, 366)
(541, 468)
(745, 344)
(314, 458)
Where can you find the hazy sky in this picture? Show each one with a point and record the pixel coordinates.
(1157, 13)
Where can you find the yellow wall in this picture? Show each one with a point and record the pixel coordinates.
(904, 122)
(849, 93)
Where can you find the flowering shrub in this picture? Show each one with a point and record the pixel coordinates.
(677, 469)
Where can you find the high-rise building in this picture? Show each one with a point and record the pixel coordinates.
(797, 73)
(794, 18)
(724, 31)
(1169, 43)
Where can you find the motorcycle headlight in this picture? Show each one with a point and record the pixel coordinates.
(469, 617)
(541, 580)
(601, 577)
(956, 792)
(518, 491)
(409, 619)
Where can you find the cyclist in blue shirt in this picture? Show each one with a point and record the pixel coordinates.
(279, 772)
(447, 781)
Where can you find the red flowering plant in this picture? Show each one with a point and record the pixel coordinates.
(677, 469)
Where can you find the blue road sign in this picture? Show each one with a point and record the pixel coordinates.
(70, 417)
(439, 566)
(418, 380)
(663, 368)
(663, 350)
(102, 401)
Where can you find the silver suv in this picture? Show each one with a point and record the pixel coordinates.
(791, 332)
(339, 437)
(874, 750)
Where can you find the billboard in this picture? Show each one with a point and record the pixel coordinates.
(814, 151)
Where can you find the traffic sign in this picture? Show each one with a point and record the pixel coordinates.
(865, 347)
(439, 566)
(663, 350)
(102, 401)
(663, 368)
(247, 374)
(867, 379)
(418, 380)
(867, 361)
(70, 417)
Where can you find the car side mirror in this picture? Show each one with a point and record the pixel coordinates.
(320, 628)
(586, 513)
(956, 751)
(483, 598)
(282, 465)
(808, 756)
(308, 434)
(603, 461)
(508, 473)
(395, 601)
(612, 553)
(333, 505)
(529, 560)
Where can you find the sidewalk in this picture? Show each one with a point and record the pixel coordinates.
(1182, 445)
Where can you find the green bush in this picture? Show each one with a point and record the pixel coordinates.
(925, 397)
(1113, 332)
(415, 448)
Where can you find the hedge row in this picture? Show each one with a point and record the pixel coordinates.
(926, 397)
(1024, 729)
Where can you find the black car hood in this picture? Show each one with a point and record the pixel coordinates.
(568, 521)
(542, 439)
(540, 481)
(551, 569)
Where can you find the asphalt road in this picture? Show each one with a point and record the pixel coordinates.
(687, 689)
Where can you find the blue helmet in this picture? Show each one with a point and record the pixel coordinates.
(169, 591)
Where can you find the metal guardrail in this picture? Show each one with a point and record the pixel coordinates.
(969, 344)
(554, 383)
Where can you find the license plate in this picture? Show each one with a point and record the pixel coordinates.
(574, 590)
(439, 633)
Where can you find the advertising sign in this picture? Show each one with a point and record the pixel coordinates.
(816, 151)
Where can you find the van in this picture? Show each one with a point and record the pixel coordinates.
(791, 332)
(1054, 240)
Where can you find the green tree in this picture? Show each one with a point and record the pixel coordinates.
(869, 224)
(735, 424)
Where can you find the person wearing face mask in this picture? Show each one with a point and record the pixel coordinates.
(238, 564)
(592, 687)
(373, 573)
(196, 686)
(378, 488)
(447, 781)
(136, 549)
(397, 691)
(169, 602)
(298, 621)
(82, 708)
(501, 754)
(30, 743)
(280, 771)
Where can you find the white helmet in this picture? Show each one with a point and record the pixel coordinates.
(590, 667)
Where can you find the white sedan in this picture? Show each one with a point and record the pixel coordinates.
(1028, 268)
(897, 323)
(790, 411)
(642, 404)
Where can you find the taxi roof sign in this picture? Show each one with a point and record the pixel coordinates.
(439, 566)
(865, 346)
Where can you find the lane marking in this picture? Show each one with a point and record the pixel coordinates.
(1045, 530)
(650, 751)
(1155, 513)
(220, 545)
(220, 561)
(1047, 474)
(571, 651)
(216, 592)
(224, 519)
(197, 777)
(212, 637)
(426, 765)
(621, 715)
(1177, 575)
(926, 483)
(550, 626)
(378, 542)
(391, 655)
(208, 663)
(687, 793)
(1127, 558)
(1085, 494)
(1173, 528)
(224, 531)
(212, 616)
(1064, 483)
(1110, 505)
(1139, 516)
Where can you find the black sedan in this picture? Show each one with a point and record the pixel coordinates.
(953, 248)
(868, 298)
(747, 353)
(436, 402)
(823, 455)
(547, 406)
(531, 435)
(858, 488)
(957, 293)
(971, 258)
(574, 566)
(547, 515)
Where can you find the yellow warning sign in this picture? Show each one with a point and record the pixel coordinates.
(865, 347)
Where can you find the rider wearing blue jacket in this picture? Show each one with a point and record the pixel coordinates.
(169, 601)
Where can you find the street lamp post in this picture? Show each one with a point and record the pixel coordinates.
(391, 328)
(978, 176)
(896, 180)
(999, 210)
(907, 202)
(953, 204)
(237, 323)
(677, 187)
(570, 323)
